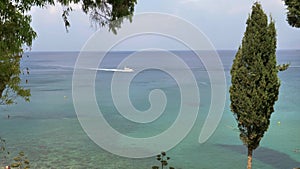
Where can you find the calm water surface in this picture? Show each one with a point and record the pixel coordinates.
(48, 131)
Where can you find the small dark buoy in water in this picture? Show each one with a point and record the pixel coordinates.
(8, 116)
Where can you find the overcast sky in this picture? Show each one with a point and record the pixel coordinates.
(222, 21)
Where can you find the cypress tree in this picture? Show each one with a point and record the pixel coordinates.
(255, 83)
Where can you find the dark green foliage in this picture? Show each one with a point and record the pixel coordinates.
(100, 11)
(283, 67)
(255, 83)
(21, 161)
(163, 159)
(10, 80)
(293, 12)
(16, 32)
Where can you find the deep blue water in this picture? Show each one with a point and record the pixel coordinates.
(48, 130)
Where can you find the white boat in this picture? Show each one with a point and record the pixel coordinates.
(127, 69)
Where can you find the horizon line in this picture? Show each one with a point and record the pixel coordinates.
(172, 50)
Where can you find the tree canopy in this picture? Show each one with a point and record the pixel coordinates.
(16, 33)
(255, 83)
(293, 13)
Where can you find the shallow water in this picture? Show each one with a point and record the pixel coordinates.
(48, 131)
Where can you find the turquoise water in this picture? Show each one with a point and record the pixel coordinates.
(48, 131)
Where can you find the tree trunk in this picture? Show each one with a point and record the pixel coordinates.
(249, 165)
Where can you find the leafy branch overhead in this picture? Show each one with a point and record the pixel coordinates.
(16, 32)
(102, 12)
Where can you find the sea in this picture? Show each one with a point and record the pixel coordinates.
(48, 130)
